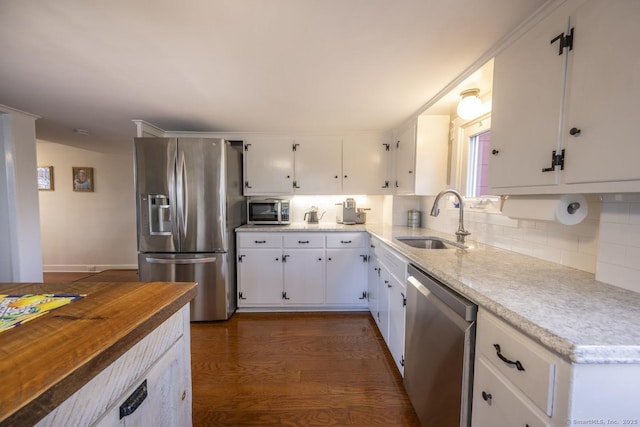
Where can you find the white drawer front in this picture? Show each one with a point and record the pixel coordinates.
(259, 240)
(347, 240)
(532, 369)
(396, 265)
(304, 240)
(496, 403)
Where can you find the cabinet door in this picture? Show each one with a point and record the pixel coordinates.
(268, 166)
(365, 165)
(259, 277)
(304, 272)
(405, 147)
(432, 149)
(345, 277)
(397, 304)
(603, 89)
(384, 297)
(318, 165)
(528, 81)
(373, 281)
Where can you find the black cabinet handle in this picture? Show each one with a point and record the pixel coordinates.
(284, 296)
(345, 242)
(495, 152)
(487, 397)
(574, 132)
(259, 242)
(137, 397)
(517, 363)
(303, 242)
(241, 295)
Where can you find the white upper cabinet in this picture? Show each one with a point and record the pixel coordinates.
(318, 165)
(421, 151)
(528, 79)
(576, 101)
(603, 89)
(366, 165)
(268, 166)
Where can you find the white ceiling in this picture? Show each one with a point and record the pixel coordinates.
(237, 65)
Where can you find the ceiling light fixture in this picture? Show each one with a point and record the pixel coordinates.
(81, 131)
(470, 106)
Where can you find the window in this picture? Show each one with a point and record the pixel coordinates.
(478, 168)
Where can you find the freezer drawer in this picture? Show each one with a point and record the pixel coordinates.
(215, 299)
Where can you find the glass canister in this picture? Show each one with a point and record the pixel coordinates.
(413, 218)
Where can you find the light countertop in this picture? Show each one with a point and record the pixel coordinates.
(565, 309)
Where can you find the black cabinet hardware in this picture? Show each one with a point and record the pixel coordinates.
(517, 363)
(564, 40)
(487, 397)
(134, 401)
(574, 132)
(556, 160)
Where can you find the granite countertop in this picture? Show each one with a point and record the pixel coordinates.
(565, 309)
(47, 359)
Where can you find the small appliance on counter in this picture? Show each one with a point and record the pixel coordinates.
(312, 216)
(268, 211)
(346, 212)
(361, 215)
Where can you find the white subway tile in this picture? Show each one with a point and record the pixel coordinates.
(534, 235)
(618, 276)
(612, 253)
(582, 262)
(564, 241)
(588, 245)
(617, 213)
(634, 213)
(632, 258)
(547, 253)
(613, 233)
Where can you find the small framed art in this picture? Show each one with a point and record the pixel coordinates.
(45, 178)
(82, 178)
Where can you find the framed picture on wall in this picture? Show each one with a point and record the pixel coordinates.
(45, 178)
(82, 178)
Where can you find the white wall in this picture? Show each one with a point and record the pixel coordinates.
(88, 231)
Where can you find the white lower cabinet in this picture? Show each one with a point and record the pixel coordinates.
(387, 275)
(290, 270)
(518, 382)
(149, 385)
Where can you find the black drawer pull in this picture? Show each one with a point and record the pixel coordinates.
(345, 242)
(303, 242)
(507, 361)
(259, 241)
(131, 404)
(487, 397)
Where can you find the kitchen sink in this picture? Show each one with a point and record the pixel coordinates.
(428, 242)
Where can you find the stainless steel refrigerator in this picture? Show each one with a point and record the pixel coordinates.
(189, 201)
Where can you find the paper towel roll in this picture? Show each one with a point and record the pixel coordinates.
(568, 209)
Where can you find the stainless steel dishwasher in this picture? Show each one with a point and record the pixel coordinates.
(439, 350)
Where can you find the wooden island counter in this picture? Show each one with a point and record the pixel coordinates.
(88, 362)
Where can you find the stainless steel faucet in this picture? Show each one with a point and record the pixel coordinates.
(461, 233)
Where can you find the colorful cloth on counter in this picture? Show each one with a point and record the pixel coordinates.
(17, 309)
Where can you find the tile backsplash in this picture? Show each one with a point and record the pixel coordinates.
(619, 250)
(571, 245)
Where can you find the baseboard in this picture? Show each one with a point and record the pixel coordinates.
(87, 268)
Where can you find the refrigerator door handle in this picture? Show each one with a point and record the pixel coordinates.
(180, 195)
(204, 260)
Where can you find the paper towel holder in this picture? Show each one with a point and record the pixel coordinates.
(573, 207)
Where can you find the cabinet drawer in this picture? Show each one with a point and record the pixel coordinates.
(497, 403)
(396, 265)
(526, 364)
(346, 240)
(259, 240)
(304, 240)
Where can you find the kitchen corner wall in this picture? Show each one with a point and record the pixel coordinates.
(87, 231)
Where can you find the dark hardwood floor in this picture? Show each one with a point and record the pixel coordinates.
(295, 369)
(288, 369)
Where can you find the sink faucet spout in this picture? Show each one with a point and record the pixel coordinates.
(435, 211)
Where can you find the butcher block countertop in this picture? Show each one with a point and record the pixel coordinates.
(46, 360)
